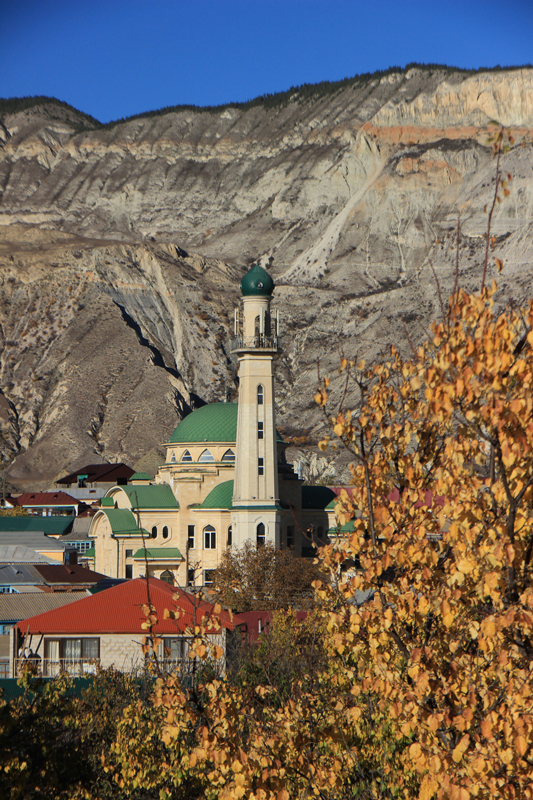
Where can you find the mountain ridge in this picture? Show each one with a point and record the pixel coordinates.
(138, 233)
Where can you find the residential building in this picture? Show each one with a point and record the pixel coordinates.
(106, 630)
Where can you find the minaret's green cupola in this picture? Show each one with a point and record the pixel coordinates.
(257, 282)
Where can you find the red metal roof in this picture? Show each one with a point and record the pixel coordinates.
(45, 499)
(118, 610)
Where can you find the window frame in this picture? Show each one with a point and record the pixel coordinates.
(260, 535)
(260, 395)
(290, 536)
(209, 537)
(260, 429)
(191, 535)
(260, 465)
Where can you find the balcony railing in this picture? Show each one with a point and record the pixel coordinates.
(50, 668)
(259, 342)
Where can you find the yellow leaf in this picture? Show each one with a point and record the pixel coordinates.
(465, 566)
(460, 749)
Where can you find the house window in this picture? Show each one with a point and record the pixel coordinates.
(206, 456)
(210, 538)
(154, 532)
(186, 456)
(165, 532)
(190, 577)
(259, 430)
(71, 649)
(167, 577)
(229, 455)
(260, 466)
(175, 649)
(209, 576)
(260, 395)
(290, 536)
(260, 535)
(230, 536)
(190, 539)
(129, 572)
(129, 553)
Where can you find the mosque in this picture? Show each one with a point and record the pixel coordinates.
(225, 479)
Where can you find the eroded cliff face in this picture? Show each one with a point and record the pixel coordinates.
(121, 251)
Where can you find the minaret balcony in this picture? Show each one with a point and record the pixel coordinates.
(266, 344)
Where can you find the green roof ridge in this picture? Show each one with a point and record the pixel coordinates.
(158, 552)
(123, 522)
(157, 495)
(140, 476)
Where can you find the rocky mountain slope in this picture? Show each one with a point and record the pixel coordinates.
(122, 247)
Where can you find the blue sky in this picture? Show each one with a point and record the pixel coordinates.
(115, 58)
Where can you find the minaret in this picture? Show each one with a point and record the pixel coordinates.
(255, 514)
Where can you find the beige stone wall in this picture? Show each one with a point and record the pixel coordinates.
(119, 650)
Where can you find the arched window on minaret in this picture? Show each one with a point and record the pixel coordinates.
(260, 535)
(186, 456)
(154, 532)
(206, 455)
(229, 455)
(230, 536)
(260, 395)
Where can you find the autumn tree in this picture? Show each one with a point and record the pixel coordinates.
(443, 530)
(263, 578)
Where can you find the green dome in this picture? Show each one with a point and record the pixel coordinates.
(216, 422)
(257, 282)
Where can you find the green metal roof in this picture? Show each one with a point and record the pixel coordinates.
(219, 497)
(49, 525)
(157, 495)
(257, 282)
(90, 553)
(348, 527)
(158, 552)
(318, 497)
(123, 522)
(108, 502)
(140, 476)
(216, 422)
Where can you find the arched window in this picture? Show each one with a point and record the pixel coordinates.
(206, 455)
(260, 535)
(154, 532)
(186, 456)
(210, 538)
(260, 395)
(165, 532)
(167, 577)
(173, 459)
(229, 455)
(230, 536)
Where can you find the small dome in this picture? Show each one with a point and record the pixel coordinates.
(257, 282)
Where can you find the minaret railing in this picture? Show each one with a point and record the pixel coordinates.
(259, 342)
